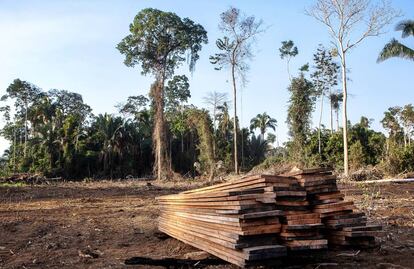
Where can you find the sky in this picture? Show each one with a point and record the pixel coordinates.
(71, 45)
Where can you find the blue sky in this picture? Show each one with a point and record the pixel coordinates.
(71, 45)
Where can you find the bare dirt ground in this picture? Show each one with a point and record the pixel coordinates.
(100, 224)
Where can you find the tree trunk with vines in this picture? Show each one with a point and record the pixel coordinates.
(161, 167)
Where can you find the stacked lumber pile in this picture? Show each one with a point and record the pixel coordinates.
(300, 227)
(237, 222)
(258, 218)
(343, 225)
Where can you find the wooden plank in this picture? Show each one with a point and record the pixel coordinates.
(301, 227)
(323, 211)
(273, 213)
(225, 254)
(248, 230)
(318, 170)
(363, 228)
(303, 216)
(332, 195)
(333, 205)
(209, 194)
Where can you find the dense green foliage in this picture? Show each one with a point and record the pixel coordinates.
(301, 106)
(65, 139)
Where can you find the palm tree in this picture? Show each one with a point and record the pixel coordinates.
(110, 130)
(394, 48)
(263, 122)
(257, 147)
(224, 120)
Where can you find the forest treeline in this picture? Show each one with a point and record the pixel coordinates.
(55, 133)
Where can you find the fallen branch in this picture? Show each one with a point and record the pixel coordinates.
(349, 254)
(390, 180)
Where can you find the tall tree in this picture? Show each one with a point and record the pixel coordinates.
(394, 48)
(177, 93)
(325, 77)
(159, 41)
(343, 19)
(263, 122)
(235, 50)
(301, 106)
(24, 94)
(288, 50)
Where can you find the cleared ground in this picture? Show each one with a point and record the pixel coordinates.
(99, 225)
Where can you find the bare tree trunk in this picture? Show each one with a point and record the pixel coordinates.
(405, 140)
(320, 123)
(236, 163)
(337, 120)
(170, 151)
(331, 115)
(25, 130)
(288, 69)
(277, 138)
(214, 129)
(344, 113)
(14, 149)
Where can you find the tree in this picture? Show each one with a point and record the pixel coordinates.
(257, 148)
(133, 105)
(335, 99)
(325, 77)
(301, 106)
(110, 133)
(70, 103)
(407, 121)
(24, 94)
(214, 100)
(201, 121)
(391, 124)
(235, 51)
(271, 138)
(288, 50)
(343, 18)
(263, 122)
(177, 93)
(224, 120)
(394, 48)
(159, 41)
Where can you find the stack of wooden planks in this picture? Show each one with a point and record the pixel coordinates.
(343, 226)
(258, 218)
(236, 221)
(300, 227)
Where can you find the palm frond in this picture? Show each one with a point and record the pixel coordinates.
(395, 49)
(407, 28)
